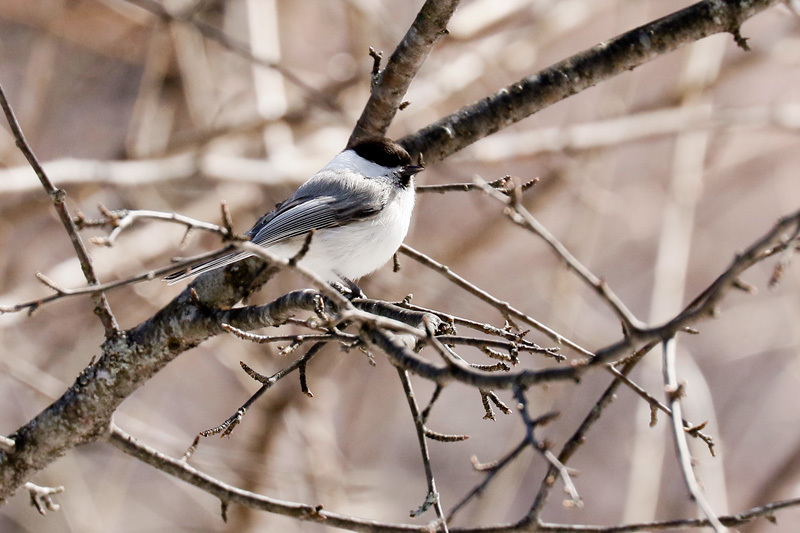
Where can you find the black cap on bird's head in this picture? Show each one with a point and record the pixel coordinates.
(388, 154)
(381, 151)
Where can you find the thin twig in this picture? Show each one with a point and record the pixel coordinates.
(41, 497)
(501, 183)
(294, 339)
(691, 429)
(227, 427)
(530, 425)
(58, 197)
(433, 494)
(511, 346)
(121, 220)
(504, 307)
(227, 493)
(579, 436)
(522, 217)
(491, 471)
(60, 293)
(674, 391)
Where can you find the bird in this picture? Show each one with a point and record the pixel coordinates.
(359, 207)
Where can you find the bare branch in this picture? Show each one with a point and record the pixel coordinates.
(226, 493)
(655, 406)
(501, 183)
(679, 436)
(61, 293)
(579, 436)
(58, 197)
(392, 83)
(504, 307)
(522, 217)
(41, 497)
(581, 71)
(239, 48)
(433, 495)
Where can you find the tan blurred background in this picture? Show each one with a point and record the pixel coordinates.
(654, 180)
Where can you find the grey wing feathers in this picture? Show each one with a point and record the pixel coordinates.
(298, 215)
(294, 220)
(342, 203)
(205, 267)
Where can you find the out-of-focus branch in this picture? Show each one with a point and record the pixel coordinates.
(633, 127)
(581, 71)
(58, 197)
(674, 392)
(215, 166)
(215, 34)
(401, 69)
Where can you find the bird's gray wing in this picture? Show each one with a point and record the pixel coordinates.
(297, 216)
(295, 219)
(305, 211)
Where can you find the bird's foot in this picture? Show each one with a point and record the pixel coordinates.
(349, 289)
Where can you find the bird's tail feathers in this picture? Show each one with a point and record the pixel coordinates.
(214, 264)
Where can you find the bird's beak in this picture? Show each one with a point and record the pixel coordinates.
(410, 170)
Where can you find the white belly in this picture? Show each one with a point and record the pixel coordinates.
(356, 249)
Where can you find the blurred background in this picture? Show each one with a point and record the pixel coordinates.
(654, 180)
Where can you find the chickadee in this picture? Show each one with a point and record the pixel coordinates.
(359, 204)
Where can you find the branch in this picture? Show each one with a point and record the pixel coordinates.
(501, 183)
(33, 305)
(674, 392)
(523, 218)
(59, 196)
(766, 511)
(691, 429)
(121, 220)
(433, 494)
(237, 47)
(83, 412)
(393, 82)
(504, 307)
(41, 497)
(581, 71)
(228, 494)
(227, 427)
(579, 436)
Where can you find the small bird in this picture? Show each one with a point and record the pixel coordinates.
(359, 206)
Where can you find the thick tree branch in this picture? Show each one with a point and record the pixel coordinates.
(83, 412)
(581, 71)
(393, 81)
